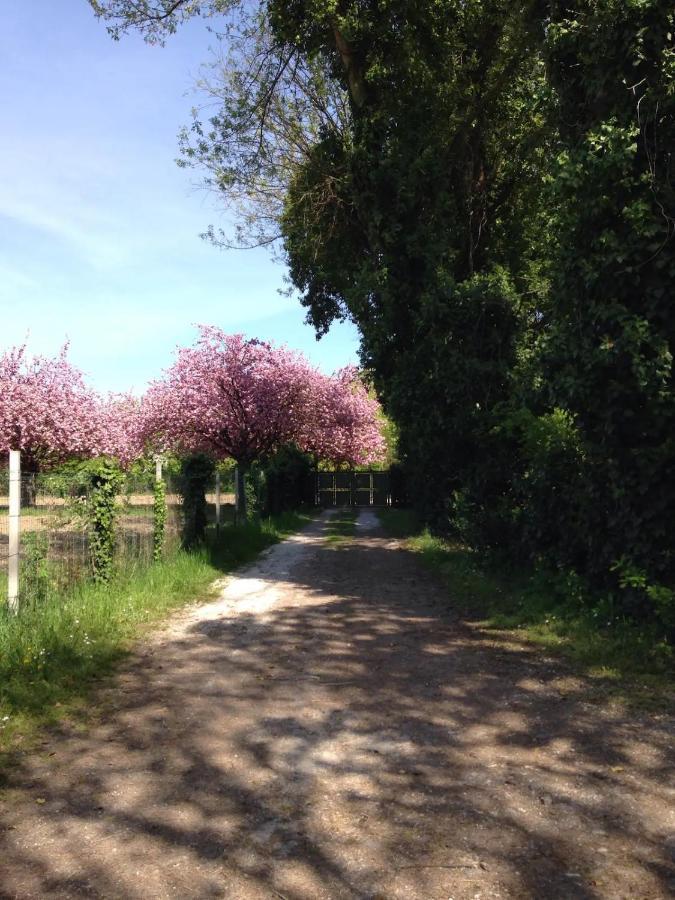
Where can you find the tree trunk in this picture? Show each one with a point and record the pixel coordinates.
(240, 489)
(28, 491)
(29, 473)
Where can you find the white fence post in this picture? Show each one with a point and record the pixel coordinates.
(217, 500)
(14, 529)
(158, 468)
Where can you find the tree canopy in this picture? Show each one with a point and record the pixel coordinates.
(245, 399)
(485, 187)
(49, 412)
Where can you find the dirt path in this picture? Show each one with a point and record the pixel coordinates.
(327, 730)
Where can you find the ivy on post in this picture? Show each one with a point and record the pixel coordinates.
(159, 512)
(104, 486)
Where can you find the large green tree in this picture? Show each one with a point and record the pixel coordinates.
(608, 358)
(485, 187)
(397, 150)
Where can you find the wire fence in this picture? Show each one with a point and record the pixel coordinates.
(54, 530)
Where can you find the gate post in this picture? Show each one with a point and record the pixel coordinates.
(14, 529)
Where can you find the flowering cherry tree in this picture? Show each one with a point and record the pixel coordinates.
(244, 399)
(346, 426)
(46, 410)
(119, 428)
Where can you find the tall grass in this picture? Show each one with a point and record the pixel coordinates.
(553, 610)
(60, 644)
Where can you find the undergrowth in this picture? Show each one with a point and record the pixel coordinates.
(553, 610)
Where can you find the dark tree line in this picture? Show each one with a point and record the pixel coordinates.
(485, 187)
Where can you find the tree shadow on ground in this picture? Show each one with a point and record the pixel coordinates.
(356, 740)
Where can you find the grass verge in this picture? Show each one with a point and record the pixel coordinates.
(341, 527)
(628, 660)
(55, 650)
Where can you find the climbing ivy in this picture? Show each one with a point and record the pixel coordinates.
(159, 518)
(105, 483)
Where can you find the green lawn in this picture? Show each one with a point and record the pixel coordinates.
(55, 650)
(630, 660)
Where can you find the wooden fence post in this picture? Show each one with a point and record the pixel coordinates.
(14, 529)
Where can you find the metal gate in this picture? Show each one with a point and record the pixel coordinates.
(352, 489)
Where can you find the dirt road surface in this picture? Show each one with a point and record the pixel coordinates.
(328, 728)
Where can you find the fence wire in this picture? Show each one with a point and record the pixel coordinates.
(54, 542)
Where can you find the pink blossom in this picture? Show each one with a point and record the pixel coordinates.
(346, 426)
(46, 410)
(119, 430)
(232, 397)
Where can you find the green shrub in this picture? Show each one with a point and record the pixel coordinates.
(105, 482)
(286, 480)
(195, 476)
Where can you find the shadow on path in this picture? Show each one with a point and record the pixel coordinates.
(330, 730)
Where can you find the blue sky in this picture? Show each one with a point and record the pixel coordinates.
(99, 229)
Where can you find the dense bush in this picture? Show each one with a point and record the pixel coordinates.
(518, 320)
(287, 474)
(196, 475)
(607, 358)
(488, 192)
(280, 483)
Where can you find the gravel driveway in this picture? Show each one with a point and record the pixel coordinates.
(328, 728)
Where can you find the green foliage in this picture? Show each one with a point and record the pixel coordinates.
(486, 188)
(159, 519)
(433, 198)
(531, 377)
(279, 483)
(35, 577)
(195, 476)
(143, 469)
(105, 481)
(226, 469)
(607, 354)
(547, 486)
(286, 477)
(255, 490)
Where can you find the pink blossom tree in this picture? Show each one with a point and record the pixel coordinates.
(119, 428)
(46, 410)
(244, 399)
(346, 427)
